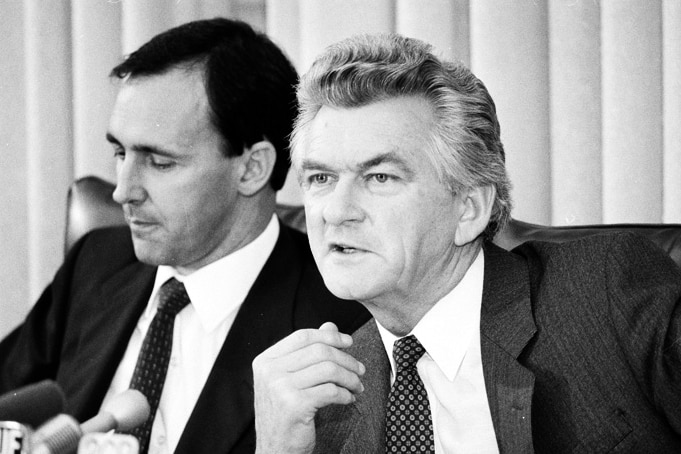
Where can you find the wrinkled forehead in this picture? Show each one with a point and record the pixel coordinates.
(355, 134)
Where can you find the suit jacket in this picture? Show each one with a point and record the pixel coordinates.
(78, 331)
(580, 347)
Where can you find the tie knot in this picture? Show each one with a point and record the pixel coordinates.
(407, 352)
(172, 297)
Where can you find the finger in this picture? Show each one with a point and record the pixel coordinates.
(328, 373)
(328, 394)
(319, 353)
(305, 337)
(329, 326)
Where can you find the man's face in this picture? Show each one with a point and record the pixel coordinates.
(380, 223)
(176, 186)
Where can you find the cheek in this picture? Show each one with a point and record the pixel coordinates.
(199, 208)
(417, 235)
(313, 216)
(316, 246)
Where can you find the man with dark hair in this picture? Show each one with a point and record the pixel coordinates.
(551, 348)
(205, 277)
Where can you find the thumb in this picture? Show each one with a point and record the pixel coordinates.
(329, 326)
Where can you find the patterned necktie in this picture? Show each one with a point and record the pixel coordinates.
(409, 426)
(152, 363)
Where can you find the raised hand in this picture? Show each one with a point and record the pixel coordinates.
(293, 379)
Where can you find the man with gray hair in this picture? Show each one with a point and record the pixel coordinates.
(554, 348)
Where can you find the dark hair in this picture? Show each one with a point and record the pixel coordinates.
(464, 146)
(250, 84)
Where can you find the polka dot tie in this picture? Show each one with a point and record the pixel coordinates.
(152, 363)
(409, 426)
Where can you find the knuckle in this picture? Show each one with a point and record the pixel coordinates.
(320, 351)
(303, 336)
(334, 393)
(328, 368)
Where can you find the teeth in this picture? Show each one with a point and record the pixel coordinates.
(344, 250)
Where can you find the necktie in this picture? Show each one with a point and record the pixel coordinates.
(152, 362)
(409, 427)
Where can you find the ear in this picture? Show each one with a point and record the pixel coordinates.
(476, 211)
(257, 164)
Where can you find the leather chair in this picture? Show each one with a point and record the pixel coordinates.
(90, 206)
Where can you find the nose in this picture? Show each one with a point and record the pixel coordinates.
(343, 205)
(129, 187)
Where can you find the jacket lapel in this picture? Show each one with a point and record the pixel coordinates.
(359, 427)
(114, 309)
(224, 411)
(507, 325)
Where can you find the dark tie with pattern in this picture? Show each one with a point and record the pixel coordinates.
(409, 426)
(152, 363)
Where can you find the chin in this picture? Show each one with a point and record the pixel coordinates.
(349, 289)
(151, 254)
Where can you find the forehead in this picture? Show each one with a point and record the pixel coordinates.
(172, 107)
(351, 136)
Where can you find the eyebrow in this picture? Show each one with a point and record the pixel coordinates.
(141, 148)
(390, 157)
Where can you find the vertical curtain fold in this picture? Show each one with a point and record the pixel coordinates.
(14, 269)
(509, 53)
(575, 112)
(96, 44)
(49, 138)
(442, 23)
(632, 110)
(671, 77)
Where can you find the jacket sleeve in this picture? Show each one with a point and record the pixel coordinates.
(30, 353)
(644, 291)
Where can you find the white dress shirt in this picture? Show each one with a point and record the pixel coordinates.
(451, 368)
(216, 292)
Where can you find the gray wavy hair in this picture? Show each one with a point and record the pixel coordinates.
(464, 145)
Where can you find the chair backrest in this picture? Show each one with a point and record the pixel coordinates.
(666, 236)
(90, 206)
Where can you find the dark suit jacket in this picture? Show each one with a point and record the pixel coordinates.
(581, 352)
(78, 331)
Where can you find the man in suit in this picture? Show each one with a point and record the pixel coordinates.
(551, 348)
(199, 131)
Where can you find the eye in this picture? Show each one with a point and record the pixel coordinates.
(381, 177)
(319, 178)
(160, 163)
(119, 153)
(162, 166)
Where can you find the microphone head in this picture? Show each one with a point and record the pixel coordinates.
(32, 405)
(59, 435)
(14, 438)
(129, 408)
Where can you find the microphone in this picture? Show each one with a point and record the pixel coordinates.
(14, 438)
(32, 405)
(61, 434)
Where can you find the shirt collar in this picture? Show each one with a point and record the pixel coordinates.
(219, 288)
(447, 329)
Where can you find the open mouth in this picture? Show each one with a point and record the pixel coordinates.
(343, 249)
